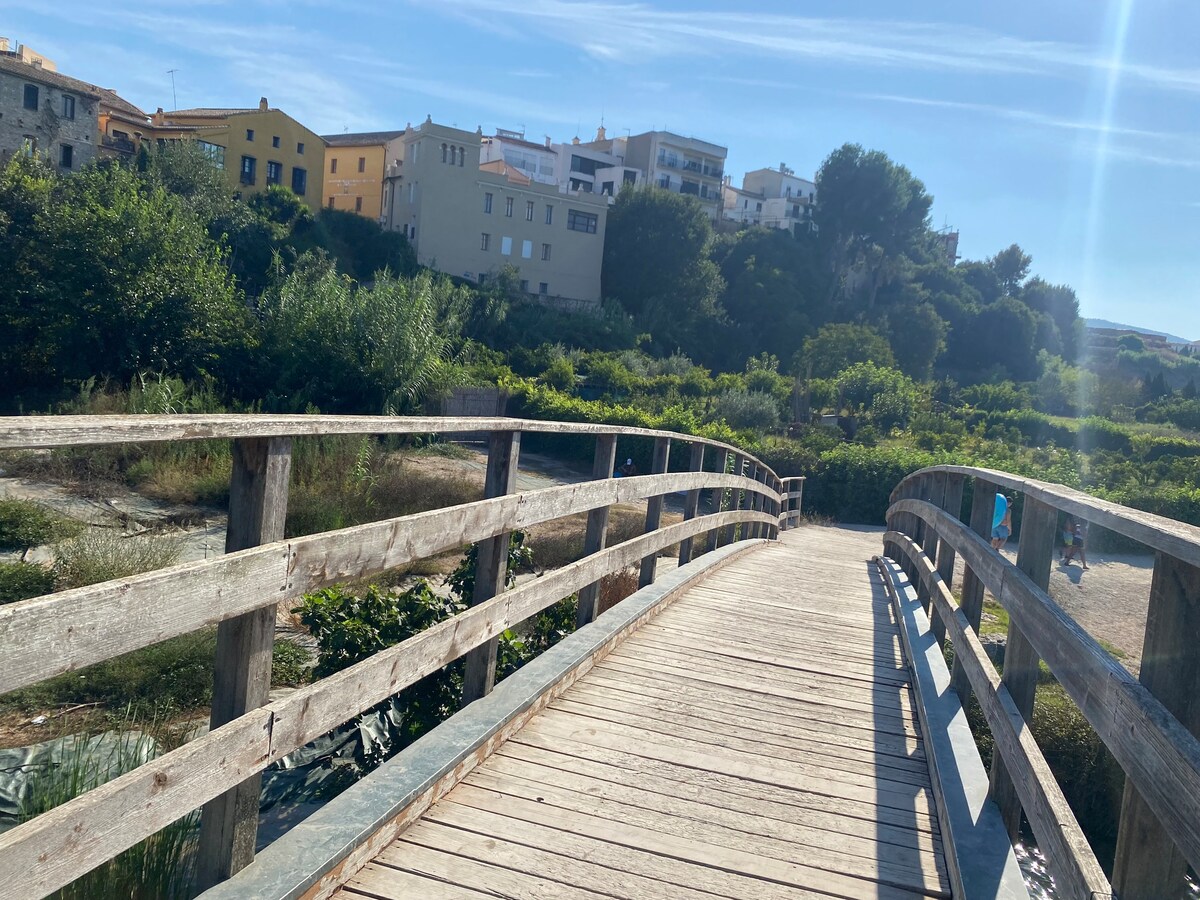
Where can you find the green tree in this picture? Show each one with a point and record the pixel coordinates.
(917, 335)
(1060, 305)
(656, 265)
(887, 397)
(871, 211)
(1003, 334)
(838, 346)
(1011, 267)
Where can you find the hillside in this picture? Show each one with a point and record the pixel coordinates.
(1118, 326)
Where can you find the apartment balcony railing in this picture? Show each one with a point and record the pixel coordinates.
(713, 172)
(123, 145)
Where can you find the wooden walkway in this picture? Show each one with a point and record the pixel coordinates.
(756, 740)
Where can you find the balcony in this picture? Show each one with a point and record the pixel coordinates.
(712, 172)
(121, 145)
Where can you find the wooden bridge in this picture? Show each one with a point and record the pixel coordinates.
(774, 718)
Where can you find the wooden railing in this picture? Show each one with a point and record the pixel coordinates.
(792, 496)
(1149, 724)
(240, 591)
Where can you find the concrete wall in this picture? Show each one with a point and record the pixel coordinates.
(47, 126)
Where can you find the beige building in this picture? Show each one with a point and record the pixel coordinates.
(45, 113)
(470, 220)
(355, 168)
(774, 198)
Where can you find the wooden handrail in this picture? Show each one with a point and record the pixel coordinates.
(49, 635)
(1159, 753)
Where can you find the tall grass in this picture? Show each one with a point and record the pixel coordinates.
(160, 867)
(102, 554)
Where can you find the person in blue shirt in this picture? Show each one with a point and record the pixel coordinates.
(1001, 521)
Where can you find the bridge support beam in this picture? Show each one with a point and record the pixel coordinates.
(1148, 864)
(596, 536)
(491, 561)
(729, 532)
(258, 495)
(983, 505)
(950, 496)
(654, 507)
(691, 506)
(1035, 555)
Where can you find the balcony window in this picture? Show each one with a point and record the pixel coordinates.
(508, 206)
(549, 214)
(274, 173)
(299, 180)
(485, 241)
(68, 107)
(487, 203)
(545, 252)
(528, 210)
(215, 153)
(249, 170)
(66, 156)
(31, 96)
(362, 164)
(543, 288)
(664, 181)
(358, 204)
(690, 187)
(333, 166)
(581, 221)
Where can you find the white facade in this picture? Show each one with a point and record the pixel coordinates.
(774, 198)
(592, 169)
(682, 165)
(538, 161)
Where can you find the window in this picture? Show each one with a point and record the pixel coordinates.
(543, 287)
(690, 187)
(508, 204)
(506, 246)
(445, 150)
(249, 169)
(462, 155)
(249, 134)
(330, 203)
(275, 141)
(487, 203)
(333, 166)
(412, 192)
(31, 96)
(358, 204)
(525, 285)
(485, 241)
(526, 249)
(28, 145)
(68, 107)
(528, 210)
(664, 181)
(453, 154)
(65, 155)
(607, 188)
(362, 164)
(300, 147)
(274, 172)
(299, 180)
(549, 214)
(545, 252)
(758, 207)
(214, 152)
(581, 221)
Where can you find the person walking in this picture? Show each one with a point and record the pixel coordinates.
(1068, 537)
(1001, 521)
(1078, 545)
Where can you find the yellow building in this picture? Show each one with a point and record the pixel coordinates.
(355, 168)
(256, 147)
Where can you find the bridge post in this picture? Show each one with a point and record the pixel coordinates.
(654, 506)
(691, 505)
(1035, 555)
(258, 495)
(983, 505)
(759, 530)
(1148, 864)
(720, 503)
(950, 494)
(491, 561)
(596, 535)
(750, 500)
(735, 497)
(929, 489)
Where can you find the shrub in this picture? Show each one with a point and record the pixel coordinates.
(560, 375)
(854, 483)
(101, 555)
(24, 524)
(289, 663)
(747, 410)
(1001, 397)
(21, 580)
(887, 396)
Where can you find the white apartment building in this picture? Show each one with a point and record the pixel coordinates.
(538, 161)
(774, 198)
(597, 167)
(682, 165)
(469, 218)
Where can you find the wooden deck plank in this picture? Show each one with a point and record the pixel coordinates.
(756, 739)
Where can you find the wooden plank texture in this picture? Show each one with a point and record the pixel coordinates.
(722, 757)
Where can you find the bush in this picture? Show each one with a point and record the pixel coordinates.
(24, 524)
(102, 555)
(21, 580)
(747, 411)
(1002, 397)
(854, 483)
(560, 375)
(887, 397)
(289, 663)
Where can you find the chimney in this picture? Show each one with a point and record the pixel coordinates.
(547, 142)
(601, 134)
(575, 141)
(262, 104)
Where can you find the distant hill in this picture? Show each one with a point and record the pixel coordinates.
(1105, 323)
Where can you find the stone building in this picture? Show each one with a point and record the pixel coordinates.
(44, 112)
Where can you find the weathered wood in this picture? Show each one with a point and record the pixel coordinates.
(722, 499)
(691, 505)
(258, 494)
(1034, 557)
(952, 494)
(1159, 755)
(46, 636)
(654, 507)
(983, 506)
(1148, 864)
(596, 535)
(1077, 873)
(93, 828)
(491, 561)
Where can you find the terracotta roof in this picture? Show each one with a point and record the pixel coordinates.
(111, 98)
(360, 138)
(209, 112)
(54, 79)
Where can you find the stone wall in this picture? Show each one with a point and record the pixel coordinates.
(47, 125)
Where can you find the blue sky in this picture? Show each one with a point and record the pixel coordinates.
(1071, 127)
